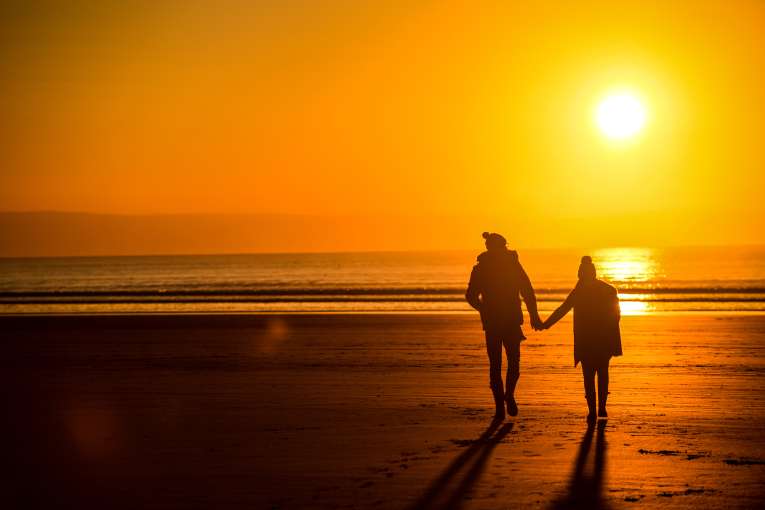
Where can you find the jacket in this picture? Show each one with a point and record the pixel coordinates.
(596, 320)
(497, 283)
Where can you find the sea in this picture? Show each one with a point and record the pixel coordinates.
(649, 280)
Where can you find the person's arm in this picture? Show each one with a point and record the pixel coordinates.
(527, 292)
(473, 292)
(561, 311)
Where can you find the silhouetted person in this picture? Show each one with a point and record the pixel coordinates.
(496, 285)
(596, 331)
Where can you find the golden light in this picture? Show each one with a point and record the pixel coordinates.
(628, 268)
(628, 307)
(620, 116)
(627, 265)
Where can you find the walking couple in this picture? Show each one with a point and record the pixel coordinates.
(498, 282)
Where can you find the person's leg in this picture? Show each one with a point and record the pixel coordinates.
(513, 350)
(602, 387)
(494, 350)
(588, 372)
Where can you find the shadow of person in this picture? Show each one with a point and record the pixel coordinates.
(472, 462)
(585, 490)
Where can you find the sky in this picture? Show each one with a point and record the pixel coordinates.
(475, 114)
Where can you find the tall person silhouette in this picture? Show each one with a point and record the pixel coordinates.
(596, 332)
(496, 285)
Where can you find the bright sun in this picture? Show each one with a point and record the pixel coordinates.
(620, 116)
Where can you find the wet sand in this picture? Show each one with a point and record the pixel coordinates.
(374, 411)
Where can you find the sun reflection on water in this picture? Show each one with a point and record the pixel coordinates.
(629, 268)
(627, 265)
(633, 307)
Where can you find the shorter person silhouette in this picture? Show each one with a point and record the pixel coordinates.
(596, 332)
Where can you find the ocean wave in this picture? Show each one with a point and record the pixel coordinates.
(352, 291)
(413, 295)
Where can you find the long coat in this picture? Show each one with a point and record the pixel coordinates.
(596, 320)
(497, 283)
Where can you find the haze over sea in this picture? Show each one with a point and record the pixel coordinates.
(650, 280)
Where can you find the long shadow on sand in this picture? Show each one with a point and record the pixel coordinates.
(439, 495)
(585, 490)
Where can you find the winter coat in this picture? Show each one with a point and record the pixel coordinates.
(596, 320)
(497, 283)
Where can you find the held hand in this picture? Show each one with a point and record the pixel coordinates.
(536, 323)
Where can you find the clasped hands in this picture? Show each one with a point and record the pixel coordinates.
(537, 324)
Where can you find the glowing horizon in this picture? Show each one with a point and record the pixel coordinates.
(486, 115)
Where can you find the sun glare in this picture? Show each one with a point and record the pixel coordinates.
(620, 116)
(627, 265)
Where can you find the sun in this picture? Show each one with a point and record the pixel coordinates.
(620, 116)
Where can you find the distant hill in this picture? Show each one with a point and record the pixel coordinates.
(32, 234)
(42, 234)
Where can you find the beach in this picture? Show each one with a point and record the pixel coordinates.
(375, 411)
(248, 249)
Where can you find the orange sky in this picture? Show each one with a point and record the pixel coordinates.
(463, 109)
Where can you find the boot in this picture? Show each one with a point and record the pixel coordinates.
(499, 404)
(512, 407)
(499, 412)
(602, 405)
(591, 416)
(511, 379)
(602, 390)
